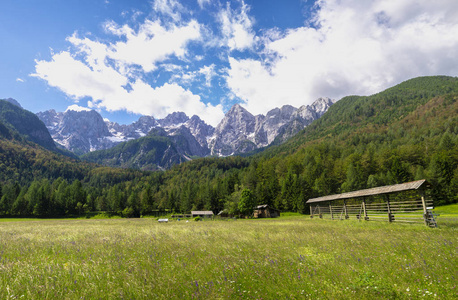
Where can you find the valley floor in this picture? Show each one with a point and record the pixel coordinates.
(291, 257)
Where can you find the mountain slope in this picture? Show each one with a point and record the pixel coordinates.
(405, 133)
(354, 114)
(156, 151)
(25, 123)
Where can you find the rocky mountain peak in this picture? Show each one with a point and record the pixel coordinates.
(235, 133)
(321, 105)
(89, 123)
(174, 119)
(239, 131)
(144, 125)
(200, 130)
(237, 118)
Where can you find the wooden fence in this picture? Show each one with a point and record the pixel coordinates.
(410, 211)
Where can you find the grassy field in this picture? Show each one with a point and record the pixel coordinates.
(285, 258)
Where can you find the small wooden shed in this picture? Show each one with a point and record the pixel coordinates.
(202, 213)
(224, 214)
(265, 211)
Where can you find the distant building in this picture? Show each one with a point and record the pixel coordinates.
(202, 214)
(264, 211)
(224, 214)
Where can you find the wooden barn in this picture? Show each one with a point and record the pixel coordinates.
(202, 213)
(225, 214)
(265, 211)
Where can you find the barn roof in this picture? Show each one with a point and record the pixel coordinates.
(202, 212)
(408, 186)
(265, 206)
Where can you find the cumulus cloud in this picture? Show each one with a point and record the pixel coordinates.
(77, 108)
(236, 27)
(111, 74)
(171, 8)
(203, 2)
(152, 43)
(354, 47)
(209, 72)
(157, 66)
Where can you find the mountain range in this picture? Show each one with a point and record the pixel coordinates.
(405, 133)
(151, 143)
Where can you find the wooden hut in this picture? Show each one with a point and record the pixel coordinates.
(224, 214)
(202, 213)
(265, 211)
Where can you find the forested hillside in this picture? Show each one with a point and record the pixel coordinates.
(150, 152)
(405, 133)
(25, 123)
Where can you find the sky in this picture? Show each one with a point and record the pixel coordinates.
(127, 58)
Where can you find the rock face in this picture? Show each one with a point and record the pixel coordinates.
(235, 133)
(238, 132)
(302, 117)
(78, 131)
(86, 131)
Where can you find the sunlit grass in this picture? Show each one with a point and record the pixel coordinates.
(451, 209)
(284, 258)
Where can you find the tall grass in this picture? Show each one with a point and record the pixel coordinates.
(285, 258)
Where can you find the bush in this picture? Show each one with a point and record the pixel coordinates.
(197, 219)
(128, 212)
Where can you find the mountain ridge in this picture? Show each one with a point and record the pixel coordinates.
(25, 123)
(84, 132)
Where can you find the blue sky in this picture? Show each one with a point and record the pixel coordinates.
(132, 58)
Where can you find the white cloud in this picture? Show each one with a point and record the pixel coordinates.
(152, 43)
(111, 74)
(108, 90)
(236, 27)
(78, 80)
(20, 80)
(77, 108)
(356, 47)
(202, 3)
(171, 8)
(351, 47)
(209, 72)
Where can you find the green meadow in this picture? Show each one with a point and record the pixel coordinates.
(291, 257)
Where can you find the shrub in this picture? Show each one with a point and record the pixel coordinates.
(128, 212)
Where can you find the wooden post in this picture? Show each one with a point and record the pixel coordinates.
(319, 212)
(388, 206)
(311, 211)
(330, 210)
(345, 209)
(425, 212)
(364, 210)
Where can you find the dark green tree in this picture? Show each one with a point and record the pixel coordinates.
(247, 202)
